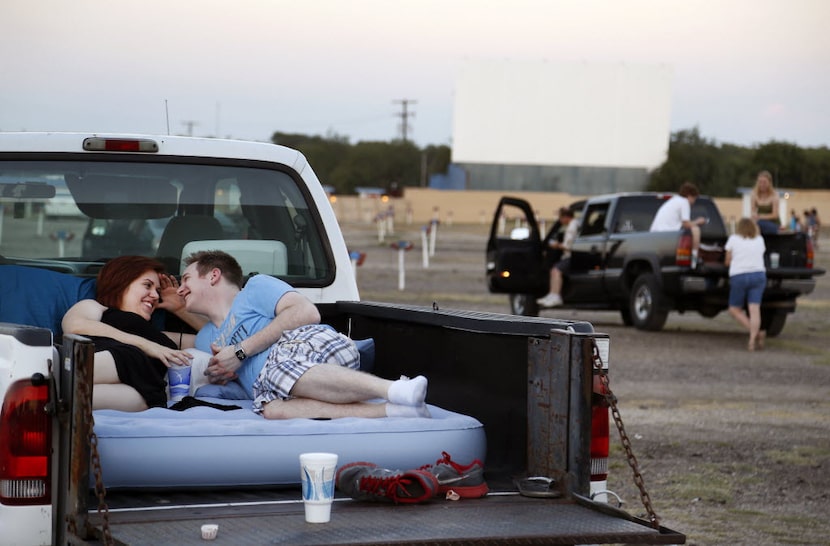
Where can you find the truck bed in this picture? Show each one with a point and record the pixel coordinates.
(277, 518)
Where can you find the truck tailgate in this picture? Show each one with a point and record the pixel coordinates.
(500, 518)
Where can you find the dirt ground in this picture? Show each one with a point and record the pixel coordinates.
(734, 446)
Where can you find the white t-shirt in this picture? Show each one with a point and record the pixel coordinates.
(568, 239)
(747, 254)
(671, 214)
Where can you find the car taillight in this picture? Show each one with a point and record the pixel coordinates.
(25, 445)
(810, 254)
(600, 444)
(99, 144)
(683, 256)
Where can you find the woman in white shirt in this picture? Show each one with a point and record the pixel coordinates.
(747, 278)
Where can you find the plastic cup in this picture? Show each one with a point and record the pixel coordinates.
(774, 259)
(209, 531)
(178, 378)
(317, 475)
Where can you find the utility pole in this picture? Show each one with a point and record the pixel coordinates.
(190, 124)
(405, 114)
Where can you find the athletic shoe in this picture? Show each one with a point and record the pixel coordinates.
(467, 480)
(551, 300)
(367, 481)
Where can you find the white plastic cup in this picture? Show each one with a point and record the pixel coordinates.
(317, 475)
(209, 531)
(178, 378)
(774, 259)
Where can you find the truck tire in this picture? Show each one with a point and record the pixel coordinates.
(625, 313)
(524, 305)
(773, 321)
(648, 312)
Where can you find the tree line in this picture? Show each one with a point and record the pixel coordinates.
(718, 169)
(388, 165)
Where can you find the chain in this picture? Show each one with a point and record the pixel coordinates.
(626, 443)
(95, 459)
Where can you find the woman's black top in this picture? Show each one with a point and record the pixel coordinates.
(136, 369)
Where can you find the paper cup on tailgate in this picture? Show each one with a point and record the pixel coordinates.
(317, 475)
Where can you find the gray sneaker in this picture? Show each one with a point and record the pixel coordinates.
(367, 481)
(466, 480)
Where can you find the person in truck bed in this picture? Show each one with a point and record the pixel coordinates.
(267, 336)
(764, 204)
(676, 214)
(131, 355)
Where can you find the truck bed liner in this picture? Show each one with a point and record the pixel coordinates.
(501, 518)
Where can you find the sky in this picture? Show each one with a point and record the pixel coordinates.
(744, 71)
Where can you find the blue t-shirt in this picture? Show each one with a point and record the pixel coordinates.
(252, 310)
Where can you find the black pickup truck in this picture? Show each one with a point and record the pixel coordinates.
(618, 265)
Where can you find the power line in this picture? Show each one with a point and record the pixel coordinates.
(405, 114)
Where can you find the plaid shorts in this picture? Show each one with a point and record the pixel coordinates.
(294, 354)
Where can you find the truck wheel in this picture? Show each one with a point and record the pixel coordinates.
(625, 313)
(773, 321)
(645, 304)
(524, 305)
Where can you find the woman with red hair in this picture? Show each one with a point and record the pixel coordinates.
(131, 355)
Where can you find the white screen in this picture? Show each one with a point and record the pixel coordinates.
(545, 113)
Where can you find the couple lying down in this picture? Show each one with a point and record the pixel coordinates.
(261, 342)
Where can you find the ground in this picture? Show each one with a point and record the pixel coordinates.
(733, 446)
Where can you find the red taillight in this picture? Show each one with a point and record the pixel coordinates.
(98, 144)
(600, 444)
(25, 445)
(683, 256)
(810, 254)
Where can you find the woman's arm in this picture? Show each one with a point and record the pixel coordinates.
(84, 318)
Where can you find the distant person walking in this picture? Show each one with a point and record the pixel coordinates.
(812, 225)
(747, 279)
(764, 202)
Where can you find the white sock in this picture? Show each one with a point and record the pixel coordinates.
(396, 410)
(408, 392)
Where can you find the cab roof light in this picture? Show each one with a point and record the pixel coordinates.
(98, 144)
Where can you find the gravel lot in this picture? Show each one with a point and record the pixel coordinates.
(734, 446)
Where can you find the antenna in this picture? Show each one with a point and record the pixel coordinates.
(167, 115)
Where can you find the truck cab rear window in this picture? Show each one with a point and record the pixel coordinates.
(95, 210)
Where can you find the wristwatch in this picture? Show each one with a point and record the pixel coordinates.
(240, 352)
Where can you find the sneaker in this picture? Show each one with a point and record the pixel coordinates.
(466, 480)
(367, 481)
(551, 300)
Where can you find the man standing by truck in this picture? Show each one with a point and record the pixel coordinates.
(676, 214)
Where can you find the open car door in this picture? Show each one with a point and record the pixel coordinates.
(514, 251)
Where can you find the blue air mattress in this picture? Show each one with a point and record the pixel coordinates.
(207, 447)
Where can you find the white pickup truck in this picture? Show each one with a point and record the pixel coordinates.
(524, 394)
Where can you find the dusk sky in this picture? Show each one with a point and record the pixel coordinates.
(744, 71)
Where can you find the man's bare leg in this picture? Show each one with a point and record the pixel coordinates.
(339, 385)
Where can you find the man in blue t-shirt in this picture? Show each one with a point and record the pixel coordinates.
(268, 337)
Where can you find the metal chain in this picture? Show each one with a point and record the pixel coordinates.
(626, 443)
(95, 459)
